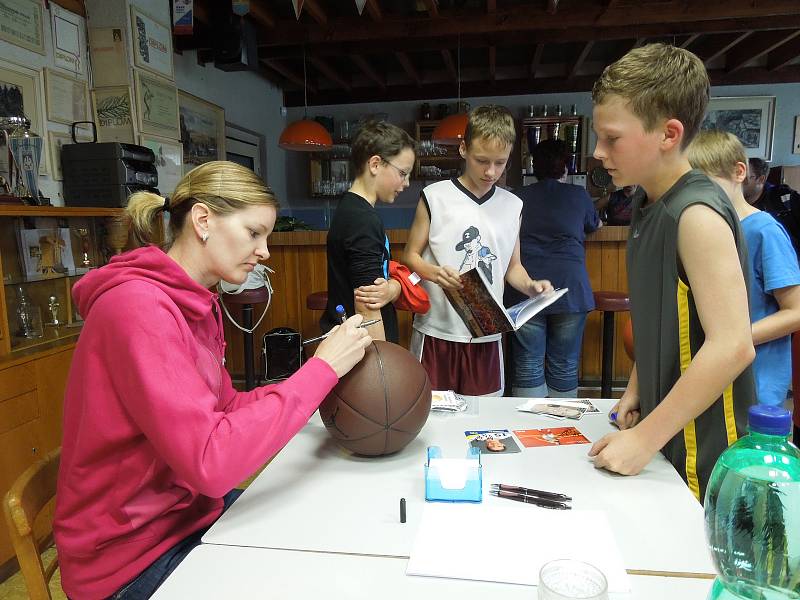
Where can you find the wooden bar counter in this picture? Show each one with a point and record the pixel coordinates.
(299, 260)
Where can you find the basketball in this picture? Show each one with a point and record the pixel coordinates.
(381, 404)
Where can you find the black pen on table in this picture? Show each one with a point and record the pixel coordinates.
(319, 338)
(530, 492)
(541, 502)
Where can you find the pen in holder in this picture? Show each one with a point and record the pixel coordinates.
(453, 479)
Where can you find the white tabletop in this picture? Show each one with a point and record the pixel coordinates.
(316, 496)
(211, 572)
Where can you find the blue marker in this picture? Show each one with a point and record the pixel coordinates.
(613, 416)
(340, 314)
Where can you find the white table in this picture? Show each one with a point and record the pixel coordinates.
(317, 497)
(212, 572)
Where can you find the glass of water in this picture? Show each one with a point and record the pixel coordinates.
(568, 579)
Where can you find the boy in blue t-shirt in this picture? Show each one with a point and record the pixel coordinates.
(774, 272)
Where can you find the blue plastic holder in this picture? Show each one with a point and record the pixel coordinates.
(453, 479)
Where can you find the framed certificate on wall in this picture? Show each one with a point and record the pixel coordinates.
(22, 24)
(152, 44)
(157, 105)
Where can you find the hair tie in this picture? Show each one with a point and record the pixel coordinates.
(166, 208)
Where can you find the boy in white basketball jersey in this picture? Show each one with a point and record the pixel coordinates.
(460, 224)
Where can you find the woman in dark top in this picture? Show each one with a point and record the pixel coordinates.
(555, 220)
(358, 249)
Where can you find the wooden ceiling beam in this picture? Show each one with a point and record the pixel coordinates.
(449, 64)
(492, 63)
(537, 58)
(329, 72)
(262, 15)
(367, 69)
(433, 8)
(288, 73)
(756, 46)
(408, 67)
(714, 47)
(690, 40)
(374, 10)
(316, 11)
(552, 6)
(572, 70)
(782, 56)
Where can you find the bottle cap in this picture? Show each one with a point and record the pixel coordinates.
(769, 420)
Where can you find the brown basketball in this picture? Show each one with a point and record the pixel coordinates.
(381, 405)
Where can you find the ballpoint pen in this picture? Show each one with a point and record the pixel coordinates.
(530, 492)
(542, 502)
(319, 338)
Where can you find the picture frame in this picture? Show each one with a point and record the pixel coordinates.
(56, 139)
(23, 24)
(151, 42)
(110, 62)
(21, 93)
(202, 134)
(69, 40)
(66, 98)
(796, 145)
(157, 105)
(340, 169)
(749, 118)
(114, 114)
(169, 161)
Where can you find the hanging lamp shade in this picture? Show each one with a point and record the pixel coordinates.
(305, 136)
(450, 130)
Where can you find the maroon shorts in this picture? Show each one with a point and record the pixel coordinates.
(469, 369)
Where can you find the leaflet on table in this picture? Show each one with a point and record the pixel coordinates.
(483, 313)
(447, 401)
(492, 441)
(550, 436)
(558, 408)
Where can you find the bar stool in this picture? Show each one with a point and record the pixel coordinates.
(317, 301)
(246, 299)
(609, 303)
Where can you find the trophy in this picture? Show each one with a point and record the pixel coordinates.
(82, 233)
(52, 307)
(26, 149)
(7, 126)
(26, 316)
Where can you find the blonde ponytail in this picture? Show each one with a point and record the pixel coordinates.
(142, 210)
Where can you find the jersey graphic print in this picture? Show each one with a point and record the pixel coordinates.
(475, 253)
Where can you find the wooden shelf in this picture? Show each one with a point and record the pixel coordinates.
(12, 210)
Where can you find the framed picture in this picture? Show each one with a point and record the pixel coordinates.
(169, 161)
(20, 94)
(157, 105)
(152, 44)
(67, 98)
(110, 64)
(202, 130)
(340, 170)
(56, 139)
(22, 24)
(749, 118)
(46, 253)
(113, 113)
(69, 43)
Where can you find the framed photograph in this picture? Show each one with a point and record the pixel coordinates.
(69, 40)
(67, 98)
(22, 24)
(169, 161)
(340, 170)
(152, 44)
(113, 113)
(749, 118)
(157, 105)
(202, 130)
(56, 139)
(46, 253)
(20, 94)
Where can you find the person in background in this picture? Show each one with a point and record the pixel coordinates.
(464, 223)
(556, 217)
(616, 208)
(692, 385)
(781, 201)
(358, 249)
(155, 435)
(774, 272)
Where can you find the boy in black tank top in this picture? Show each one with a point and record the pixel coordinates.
(691, 385)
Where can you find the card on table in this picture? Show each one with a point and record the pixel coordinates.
(550, 436)
(492, 441)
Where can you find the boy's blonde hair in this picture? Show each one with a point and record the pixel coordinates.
(659, 82)
(492, 122)
(716, 152)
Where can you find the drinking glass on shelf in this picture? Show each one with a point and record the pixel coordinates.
(568, 579)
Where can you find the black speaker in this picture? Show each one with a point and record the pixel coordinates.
(235, 44)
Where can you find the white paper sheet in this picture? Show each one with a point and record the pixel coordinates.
(509, 544)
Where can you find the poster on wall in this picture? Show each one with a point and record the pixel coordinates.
(152, 44)
(202, 131)
(157, 106)
(113, 114)
(69, 44)
(182, 17)
(21, 24)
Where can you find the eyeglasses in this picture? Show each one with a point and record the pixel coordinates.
(403, 174)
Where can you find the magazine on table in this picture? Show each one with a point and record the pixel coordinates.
(484, 314)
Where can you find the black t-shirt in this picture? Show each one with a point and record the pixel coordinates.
(358, 253)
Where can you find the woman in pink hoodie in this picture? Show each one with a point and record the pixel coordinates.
(155, 435)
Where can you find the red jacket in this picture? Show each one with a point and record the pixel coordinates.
(154, 432)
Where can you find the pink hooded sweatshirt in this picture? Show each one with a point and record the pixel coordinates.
(154, 432)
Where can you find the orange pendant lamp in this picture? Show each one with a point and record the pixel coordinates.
(450, 130)
(305, 135)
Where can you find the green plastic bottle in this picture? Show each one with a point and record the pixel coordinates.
(752, 512)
